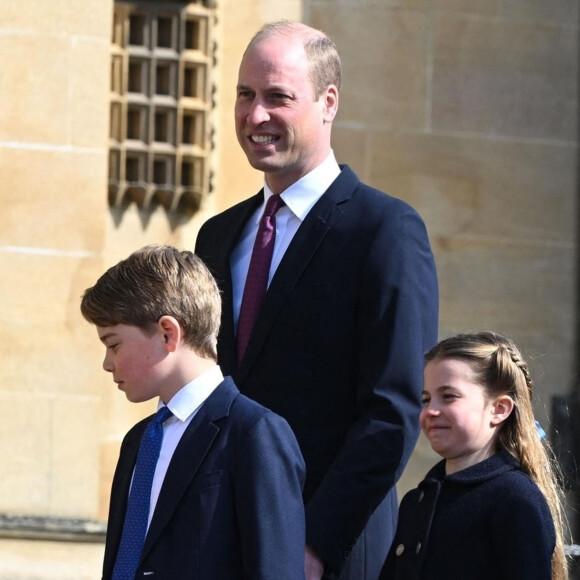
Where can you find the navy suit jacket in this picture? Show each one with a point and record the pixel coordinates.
(337, 350)
(230, 507)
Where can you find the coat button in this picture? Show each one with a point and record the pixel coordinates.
(418, 548)
(421, 496)
(400, 549)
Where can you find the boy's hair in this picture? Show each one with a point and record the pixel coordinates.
(500, 369)
(158, 281)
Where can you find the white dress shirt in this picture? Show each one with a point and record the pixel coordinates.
(299, 198)
(184, 405)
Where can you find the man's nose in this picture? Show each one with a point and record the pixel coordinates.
(258, 113)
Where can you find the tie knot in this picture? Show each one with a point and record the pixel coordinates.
(274, 203)
(162, 415)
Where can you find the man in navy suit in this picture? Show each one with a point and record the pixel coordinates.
(226, 496)
(352, 302)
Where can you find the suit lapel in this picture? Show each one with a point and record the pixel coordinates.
(123, 484)
(120, 494)
(228, 239)
(193, 448)
(319, 221)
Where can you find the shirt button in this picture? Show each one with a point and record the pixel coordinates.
(418, 548)
(400, 549)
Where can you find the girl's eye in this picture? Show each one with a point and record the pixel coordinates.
(112, 346)
(449, 397)
(425, 402)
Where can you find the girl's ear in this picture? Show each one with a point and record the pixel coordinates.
(171, 331)
(501, 409)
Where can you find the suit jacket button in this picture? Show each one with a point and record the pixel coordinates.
(400, 549)
(418, 548)
(421, 496)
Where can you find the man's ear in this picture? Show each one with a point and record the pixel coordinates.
(502, 409)
(330, 97)
(171, 331)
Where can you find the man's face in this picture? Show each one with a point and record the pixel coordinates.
(282, 129)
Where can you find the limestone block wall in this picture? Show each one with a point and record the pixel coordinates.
(53, 151)
(469, 111)
(53, 89)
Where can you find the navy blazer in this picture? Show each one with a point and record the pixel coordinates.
(230, 507)
(337, 350)
(488, 521)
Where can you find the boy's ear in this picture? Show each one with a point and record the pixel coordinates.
(171, 330)
(502, 408)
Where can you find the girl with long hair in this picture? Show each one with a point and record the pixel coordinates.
(492, 508)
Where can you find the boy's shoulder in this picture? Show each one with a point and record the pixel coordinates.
(247, 409)
(242, 419)
(225, 406)
(227, 400)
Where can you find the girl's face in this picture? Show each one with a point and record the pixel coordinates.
(458, 418)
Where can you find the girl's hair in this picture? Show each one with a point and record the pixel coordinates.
(501, 370)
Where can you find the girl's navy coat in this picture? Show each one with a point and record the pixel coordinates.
(489, 521)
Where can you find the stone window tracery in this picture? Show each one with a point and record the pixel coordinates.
(162, 54)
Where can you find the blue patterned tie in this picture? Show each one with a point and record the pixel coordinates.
(137, 515)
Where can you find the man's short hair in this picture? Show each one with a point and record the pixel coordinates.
(323, 58)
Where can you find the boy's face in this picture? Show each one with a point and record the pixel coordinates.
(135, 358)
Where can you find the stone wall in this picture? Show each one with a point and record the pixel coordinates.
(469, 111)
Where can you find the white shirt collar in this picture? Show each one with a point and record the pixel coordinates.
(302, 195)
(189, 398)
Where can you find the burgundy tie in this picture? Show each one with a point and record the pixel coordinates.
(257, 280)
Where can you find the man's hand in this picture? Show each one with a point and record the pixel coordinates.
(313, 565)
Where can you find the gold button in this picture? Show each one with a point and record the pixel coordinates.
(400, 549)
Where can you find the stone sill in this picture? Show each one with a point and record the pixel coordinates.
(79, 530)
(52, 529)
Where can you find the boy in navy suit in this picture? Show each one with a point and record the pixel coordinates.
(225, 499)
